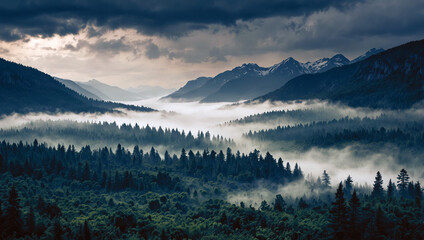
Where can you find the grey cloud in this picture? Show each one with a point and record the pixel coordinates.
(152, 51)
(169, 18)
(216, 55)
(3, 50)
(102, 46)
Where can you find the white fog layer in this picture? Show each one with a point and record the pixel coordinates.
(360, 163)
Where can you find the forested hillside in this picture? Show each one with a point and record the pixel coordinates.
(111, 134)
(61, 193)
(25, 89)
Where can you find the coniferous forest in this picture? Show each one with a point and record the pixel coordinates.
(212, 120)
(63, 193)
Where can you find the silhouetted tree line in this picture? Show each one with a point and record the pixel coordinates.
(347, 130)
(106, 167)
(285, 116)
(113, 134)
(392, 213)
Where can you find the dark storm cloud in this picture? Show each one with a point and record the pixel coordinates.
(103, 46)
(169, 18)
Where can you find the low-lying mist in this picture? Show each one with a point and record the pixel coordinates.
(361, 162)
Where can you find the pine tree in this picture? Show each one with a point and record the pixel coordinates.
(418, 194)
(86, 231)
(354, 216)
(86, 173)
(339, 214)
(264, 206)
(297, 172)
(411, 190)
(183, 159)
(13, 214)
(326, 182)
(391, 188)
(377, 190)
(348, 187)
(380, 224)
(279, 203)
(402, 182)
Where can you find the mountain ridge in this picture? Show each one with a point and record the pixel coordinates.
(390, 79)
(25, 89)
(250, 80)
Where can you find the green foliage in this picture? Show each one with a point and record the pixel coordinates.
(52, 193)
(111, 134)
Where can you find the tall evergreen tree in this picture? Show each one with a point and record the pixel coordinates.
(402, 182)
(13, 218)
(86, 231)
(86, 172)
(377, 190)
(339, 214)
(279, 203)
(418, 194)
(391, 188)
(348, 187)
(326, 181)
(354, 217)
(380, 224)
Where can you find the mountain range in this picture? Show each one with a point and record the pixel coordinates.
(24, 89)
(250, 80)
(100, 91)
(389, 79)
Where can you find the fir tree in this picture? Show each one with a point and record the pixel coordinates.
(348, 187)
(13, 214)
(391, 188)
(354, 216)
(86, 231)
(339, 214)
(377, 190)
(279, 203)
(402, 182)
(326, 182)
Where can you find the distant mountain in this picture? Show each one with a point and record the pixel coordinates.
(107, 92)
(99, 91)
(189, 86)
(93, 90)
(368, 54)
(263, 80)
(390, 79)
(77, 88)
(250, 80)
(25, 89)
(145, 92)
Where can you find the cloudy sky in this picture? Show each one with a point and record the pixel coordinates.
(167, 42)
